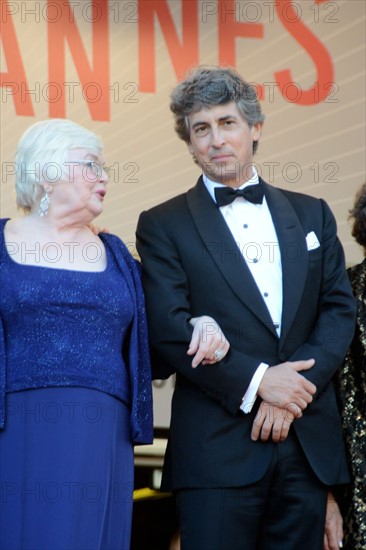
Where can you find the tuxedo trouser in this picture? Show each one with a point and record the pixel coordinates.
(285, 510)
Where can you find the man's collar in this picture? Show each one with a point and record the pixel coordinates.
(210, 185)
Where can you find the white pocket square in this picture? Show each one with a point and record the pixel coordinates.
(312, 241)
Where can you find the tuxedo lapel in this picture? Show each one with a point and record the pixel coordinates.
(222, 248)
(294, 254)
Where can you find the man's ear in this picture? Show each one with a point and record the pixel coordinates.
(191, 152)
(256, 131)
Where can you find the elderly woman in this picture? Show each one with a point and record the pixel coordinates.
(75, 385)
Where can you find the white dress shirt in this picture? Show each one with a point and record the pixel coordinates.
(252, 228)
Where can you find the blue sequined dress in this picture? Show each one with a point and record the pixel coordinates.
(70, 364)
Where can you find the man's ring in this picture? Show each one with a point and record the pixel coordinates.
(218, 354)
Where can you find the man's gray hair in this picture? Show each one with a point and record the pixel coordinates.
(206, 87)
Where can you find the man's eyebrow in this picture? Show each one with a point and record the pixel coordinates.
(198, 123)
(220, 119)
(226, 117)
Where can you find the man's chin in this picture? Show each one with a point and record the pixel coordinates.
(225, 177)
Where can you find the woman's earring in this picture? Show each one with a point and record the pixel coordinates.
(45, 203)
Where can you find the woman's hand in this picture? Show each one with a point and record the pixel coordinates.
(208, 343)
(333, 525)
(96, 229)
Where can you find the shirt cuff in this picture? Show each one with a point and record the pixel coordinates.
(250, 395)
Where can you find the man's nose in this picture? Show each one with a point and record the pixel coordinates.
(217, 137)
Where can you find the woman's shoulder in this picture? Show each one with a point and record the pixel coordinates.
(119, 247)
(3, 221)
(111, 239)
(357, 272)
(16, 227)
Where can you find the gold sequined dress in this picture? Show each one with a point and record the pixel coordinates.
(352, 393)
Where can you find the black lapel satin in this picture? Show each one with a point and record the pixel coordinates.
(294, 254)
(224, 251)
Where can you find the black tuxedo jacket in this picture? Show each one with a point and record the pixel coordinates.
(191, 267)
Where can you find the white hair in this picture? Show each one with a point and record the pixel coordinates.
(42, 154)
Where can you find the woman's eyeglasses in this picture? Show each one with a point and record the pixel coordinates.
(95, 168)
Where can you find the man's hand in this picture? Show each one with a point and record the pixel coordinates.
(333, 525)
(208, 343)
(284, 385)
(271, 419)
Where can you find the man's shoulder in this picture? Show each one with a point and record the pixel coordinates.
(303, 204)
(294, 196)
(169, 204)
(175, 206)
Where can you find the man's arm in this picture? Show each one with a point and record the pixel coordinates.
(328, 342)
(335, 320)
(169, 313)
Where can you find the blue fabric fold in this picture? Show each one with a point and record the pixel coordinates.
(2, 375)
(139, 355)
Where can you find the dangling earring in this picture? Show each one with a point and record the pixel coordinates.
(45, 203)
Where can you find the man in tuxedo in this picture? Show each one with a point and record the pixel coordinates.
(255, 438)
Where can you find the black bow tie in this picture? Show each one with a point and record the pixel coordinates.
(252, 193)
